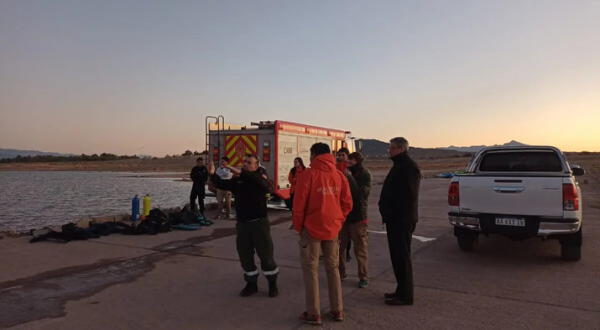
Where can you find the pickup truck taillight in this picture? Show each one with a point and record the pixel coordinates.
(570, 197)
(453, 194)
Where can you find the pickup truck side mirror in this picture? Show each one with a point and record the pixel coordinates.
(577, 171)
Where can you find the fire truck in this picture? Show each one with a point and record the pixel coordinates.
(275, 143)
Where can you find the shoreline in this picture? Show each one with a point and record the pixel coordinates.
(182, 165)
(85, 222)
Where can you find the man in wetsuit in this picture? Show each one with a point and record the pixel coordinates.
(199, 176)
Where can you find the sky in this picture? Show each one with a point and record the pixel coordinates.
(138, 77)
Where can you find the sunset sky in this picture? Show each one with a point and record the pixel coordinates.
(138, 77)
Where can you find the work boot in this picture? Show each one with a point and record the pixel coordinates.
(390, 295)
(398, 301)
(251, 286)
(250, 289)
(273, 290)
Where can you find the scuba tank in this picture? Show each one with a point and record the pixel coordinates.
(135, 208)
(147, 205)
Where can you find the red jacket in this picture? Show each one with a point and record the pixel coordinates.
(322, 199)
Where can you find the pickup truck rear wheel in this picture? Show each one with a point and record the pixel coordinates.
(570, 246)
(466, 238)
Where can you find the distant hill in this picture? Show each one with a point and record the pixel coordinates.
(474, 149)
(372, 147)
(376, 148)
(13, 153)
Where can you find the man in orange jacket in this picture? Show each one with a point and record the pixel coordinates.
(322, 201)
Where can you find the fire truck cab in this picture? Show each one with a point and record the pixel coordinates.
(276, 143)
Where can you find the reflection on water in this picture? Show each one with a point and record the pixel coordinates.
(36, 199)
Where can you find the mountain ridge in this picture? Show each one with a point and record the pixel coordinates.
(511, 143)
(370, 147)
(377, 148)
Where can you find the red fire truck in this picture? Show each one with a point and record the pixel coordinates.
(276, 143)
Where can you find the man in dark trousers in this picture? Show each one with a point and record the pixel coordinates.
(398, 205)
(356, 225)
(250, 187)
(199, 176)
(341, 163)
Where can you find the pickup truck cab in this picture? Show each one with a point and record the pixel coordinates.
(519, 192)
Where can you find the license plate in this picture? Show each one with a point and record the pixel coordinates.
(515, 222)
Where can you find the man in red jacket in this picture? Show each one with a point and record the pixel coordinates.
(322, 201)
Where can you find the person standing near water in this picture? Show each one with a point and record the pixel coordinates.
(224, 196)
(199, 176)
(250, 187)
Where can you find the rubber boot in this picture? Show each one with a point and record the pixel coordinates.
(273, 290)
(251, 286)
(194, 209)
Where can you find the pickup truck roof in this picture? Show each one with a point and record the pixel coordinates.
(473, 167)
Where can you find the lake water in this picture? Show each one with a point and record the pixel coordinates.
(36, 199)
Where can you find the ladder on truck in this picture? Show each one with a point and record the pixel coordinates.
(220, 122)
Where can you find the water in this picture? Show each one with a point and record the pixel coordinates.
(36, 199)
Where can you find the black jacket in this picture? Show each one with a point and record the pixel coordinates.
(354, 215)
(199, 175)
(362, 177)
(399, 200)
(250, 190)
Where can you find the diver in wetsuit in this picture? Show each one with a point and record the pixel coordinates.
(199, 176)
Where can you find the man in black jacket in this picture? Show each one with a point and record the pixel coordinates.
(199, 176)
(250, 187)
(398, 205)
(356, 224)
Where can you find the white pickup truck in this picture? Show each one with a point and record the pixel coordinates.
(519, 192)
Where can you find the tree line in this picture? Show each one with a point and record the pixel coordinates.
(86, 158)
(74, 158)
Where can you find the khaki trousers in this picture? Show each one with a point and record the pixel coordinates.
(357, 232)
(224, 201)
(310, 249)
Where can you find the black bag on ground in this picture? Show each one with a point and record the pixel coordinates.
(156, 222)
(187, 216)
(105, 228)
(70, 232)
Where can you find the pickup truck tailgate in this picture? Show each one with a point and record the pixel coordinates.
(539, 196)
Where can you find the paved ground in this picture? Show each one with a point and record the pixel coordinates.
(190, 280)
